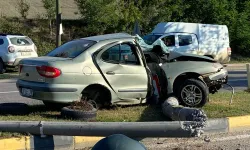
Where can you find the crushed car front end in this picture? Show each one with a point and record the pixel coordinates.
(215, 80)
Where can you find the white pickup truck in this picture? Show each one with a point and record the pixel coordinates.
(201, 39)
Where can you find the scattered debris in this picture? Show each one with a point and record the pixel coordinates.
(196, 118)
(207, 139)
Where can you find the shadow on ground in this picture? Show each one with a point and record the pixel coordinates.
(153, 113)
(20, 109)
(149, 114)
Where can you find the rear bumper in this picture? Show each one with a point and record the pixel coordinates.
(59, 93)
(14, 64)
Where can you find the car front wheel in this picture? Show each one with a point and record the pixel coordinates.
(193, 93)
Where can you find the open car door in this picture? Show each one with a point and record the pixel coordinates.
(124, 70)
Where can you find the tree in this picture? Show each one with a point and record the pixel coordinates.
(23, 8)
(109, 16)
(153, 12)
(50, 6)
(99, 16)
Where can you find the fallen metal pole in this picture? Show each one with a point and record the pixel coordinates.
(173, 110)
(176, 112)
(131, 129)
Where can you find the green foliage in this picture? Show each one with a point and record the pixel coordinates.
(109, 16)
(50, 7)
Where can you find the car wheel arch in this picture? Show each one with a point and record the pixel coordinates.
(184, 76)
(99, 87)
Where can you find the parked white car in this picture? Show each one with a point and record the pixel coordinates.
(201, 39)
(13, 48)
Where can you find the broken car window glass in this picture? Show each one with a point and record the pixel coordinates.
(71, 49)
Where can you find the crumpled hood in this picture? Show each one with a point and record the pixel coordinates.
(175, 55)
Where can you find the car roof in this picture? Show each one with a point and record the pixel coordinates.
(99, 38)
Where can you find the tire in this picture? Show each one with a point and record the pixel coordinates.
(14, 109)
(189, 89)
(52, 105)
(2, 67)
(79, 115)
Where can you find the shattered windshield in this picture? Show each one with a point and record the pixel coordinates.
(151, 38)
(71, 49)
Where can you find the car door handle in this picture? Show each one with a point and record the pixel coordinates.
(110, 73)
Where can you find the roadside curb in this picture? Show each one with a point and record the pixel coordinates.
(48, 142)
(220, 125)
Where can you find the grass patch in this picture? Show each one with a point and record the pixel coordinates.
(219, 105)
(118, 114)
(216, 108)
(239, 59)
(10, 74)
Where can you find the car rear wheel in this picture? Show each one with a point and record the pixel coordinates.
(2, 67)
(99, 96)
(193, 93)
(52, 105)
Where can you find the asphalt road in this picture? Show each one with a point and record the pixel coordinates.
(226, 141)
(9, 93)
(237, 77)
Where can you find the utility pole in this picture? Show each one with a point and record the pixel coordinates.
(58, 23)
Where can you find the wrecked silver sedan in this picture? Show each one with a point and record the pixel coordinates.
(112, 69)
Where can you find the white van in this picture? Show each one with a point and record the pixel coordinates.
(202, 39)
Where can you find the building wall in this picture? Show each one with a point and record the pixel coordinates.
(9, 8)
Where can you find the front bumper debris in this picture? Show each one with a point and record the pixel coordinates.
(215, 81)
(218, 78)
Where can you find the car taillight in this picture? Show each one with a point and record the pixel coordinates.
(48, 72)
(11, 49)
(229, 50)
(20, 68)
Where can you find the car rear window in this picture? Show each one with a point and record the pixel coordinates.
(21, 41)
(71, 49)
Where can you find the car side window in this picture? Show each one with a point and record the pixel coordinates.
(112, 55)
(1, 41)
(185, 40)
(129, 55)
(169, 40)
(122, 53)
